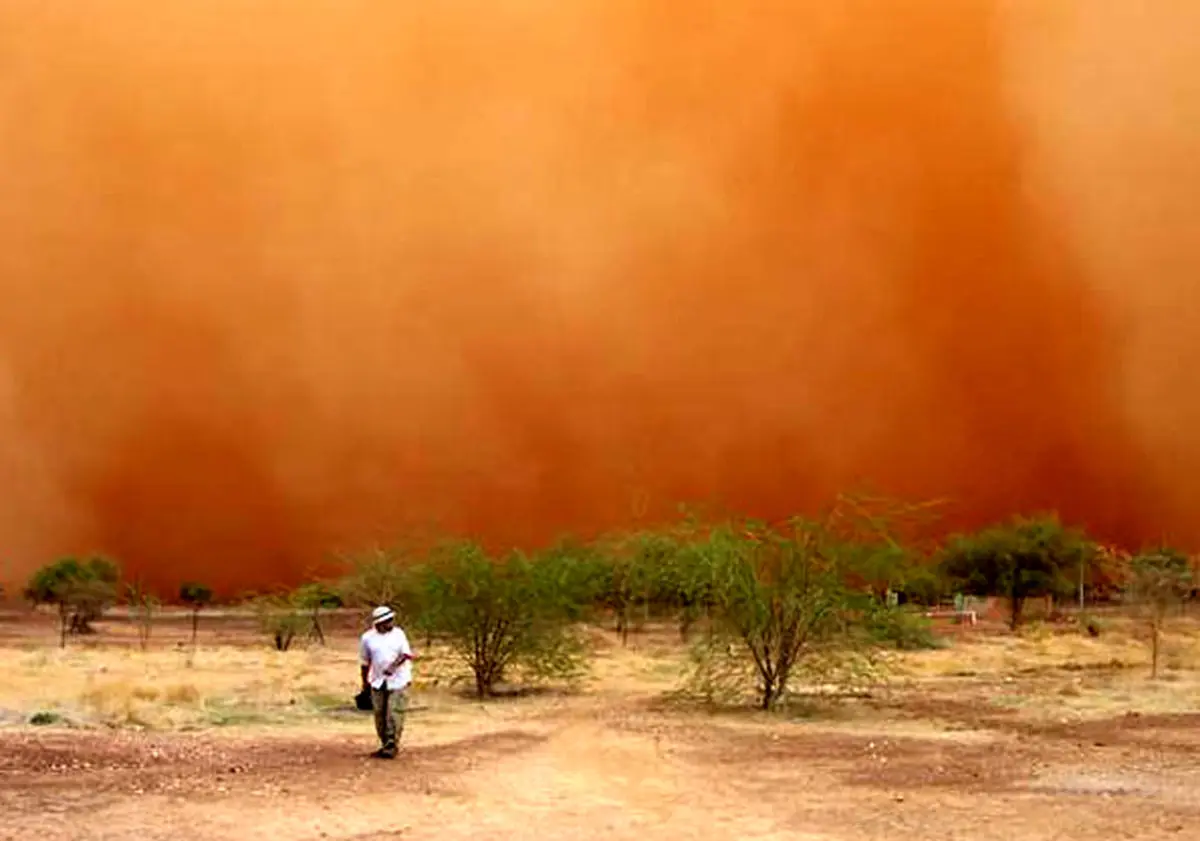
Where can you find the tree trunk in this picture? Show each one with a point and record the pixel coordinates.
(770, 691)
(1154, 638)
(62, 625)
(1018, 604)
(316, 626)
(1082, 569)
(195, 625)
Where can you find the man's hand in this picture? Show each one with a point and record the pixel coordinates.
(397, 663)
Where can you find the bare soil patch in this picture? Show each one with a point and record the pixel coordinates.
(238, 743)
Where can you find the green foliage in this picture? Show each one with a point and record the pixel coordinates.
(499, 615)
(1022, 559)
(195, 595)
(281, 617)
(778, 597)
(1162, 578)
(312, 598)
(640, 573)
(901, 629)
(82, 591)
(375, 578)
(380, 578)
(884, 545)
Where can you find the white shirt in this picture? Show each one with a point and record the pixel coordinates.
(381, 650)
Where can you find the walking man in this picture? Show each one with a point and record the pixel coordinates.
(386, 660)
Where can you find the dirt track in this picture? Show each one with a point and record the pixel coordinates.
(588, 770)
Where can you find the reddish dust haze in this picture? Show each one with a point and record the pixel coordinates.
(286, 278)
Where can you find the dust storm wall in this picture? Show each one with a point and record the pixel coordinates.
(285, 278)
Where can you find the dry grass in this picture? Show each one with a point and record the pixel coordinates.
(1049, 673)
(934, 754)
(1039, 674)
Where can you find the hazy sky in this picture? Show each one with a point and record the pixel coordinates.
(280, 277)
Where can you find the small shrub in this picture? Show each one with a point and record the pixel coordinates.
(903, 630)
(281, 619)
(1091, 625)
(1162, 580)
(500, 615)
(779, 596)
(45, 718)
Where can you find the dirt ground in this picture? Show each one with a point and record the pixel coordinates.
(1043, 736)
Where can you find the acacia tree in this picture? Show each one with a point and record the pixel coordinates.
(1161, 579)
(81, 590)
(197, 597)
(781, 594)
(313, 598)
(380, 578)
(281, 617)
(1022, 559)
(501, 613)
(636, 574)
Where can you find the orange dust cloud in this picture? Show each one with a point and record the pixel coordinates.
(285, 278)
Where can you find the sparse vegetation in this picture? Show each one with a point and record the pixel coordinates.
(143, 605)
(771, 606)
(197, 597)
(380, 578)
(281, 618)
(1022, 559)
(313, 598)
(637, 573)
(498, 614)
(901, 629)
(1162, 579)
(81, 590)
(781, 597)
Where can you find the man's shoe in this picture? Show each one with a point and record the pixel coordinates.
(383, 753)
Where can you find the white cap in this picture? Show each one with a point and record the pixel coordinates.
(381, 614)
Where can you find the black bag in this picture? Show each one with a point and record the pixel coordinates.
(363, 700)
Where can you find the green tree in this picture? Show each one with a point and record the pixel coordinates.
(1024, 558)
(313, 598)
(1162, 579)
(82, 591)
(636, 575)
(780, 595)
(281, 617)
(197, 597)
(514, 612)
(379, 577)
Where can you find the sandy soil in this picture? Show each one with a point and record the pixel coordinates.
(933, 757)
